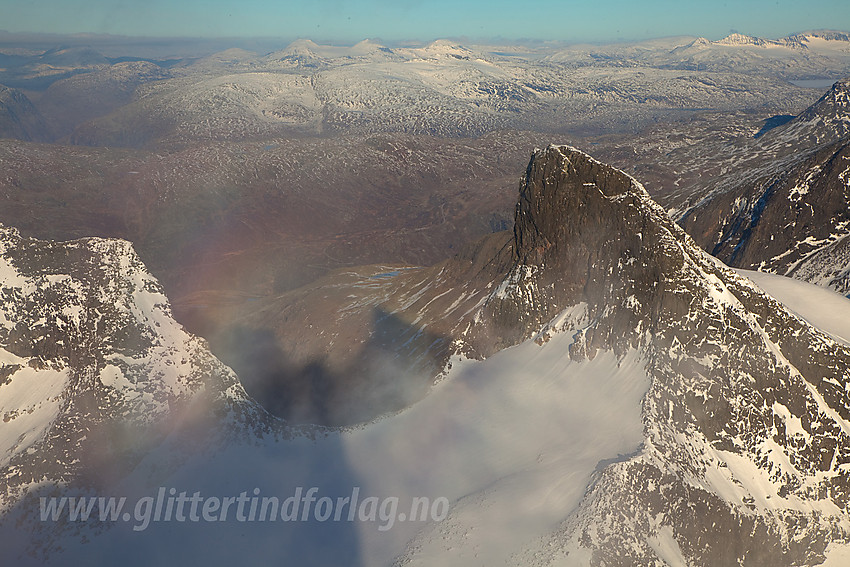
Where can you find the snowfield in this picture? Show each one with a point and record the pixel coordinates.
(819, 306)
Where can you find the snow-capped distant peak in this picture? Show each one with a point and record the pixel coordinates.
(741, 39)
(825, 35)
(302, 47)
(444, 48)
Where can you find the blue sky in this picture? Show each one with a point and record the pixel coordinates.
(347, 21)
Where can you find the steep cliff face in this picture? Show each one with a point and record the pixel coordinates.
(19, 119)
(746, 420)
(584, 233)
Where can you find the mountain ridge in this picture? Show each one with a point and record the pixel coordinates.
(789, 214)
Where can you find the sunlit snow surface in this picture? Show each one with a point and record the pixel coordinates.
(837, 555)
(821, 307)
(511, 441)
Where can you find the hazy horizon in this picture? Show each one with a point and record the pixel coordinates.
(113, 45)
(347, 22)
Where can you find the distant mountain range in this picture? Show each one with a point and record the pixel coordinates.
(805, 40)
(442, 88)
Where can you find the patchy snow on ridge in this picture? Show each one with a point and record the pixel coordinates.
(88, 347)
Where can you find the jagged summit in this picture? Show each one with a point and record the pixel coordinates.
(826, 39)
(825, 121)
(564, 185)
(584, 232)
(587, 234)
(833, 105)
(738, 39)
(561, 183)
(826, 35)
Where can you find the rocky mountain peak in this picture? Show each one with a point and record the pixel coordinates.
(827, 35)
(741, 39)
(564, 186)
(835, 104)
(88, 347)
(790, 214)
(584, 232)
(824, 122)
(588, 235)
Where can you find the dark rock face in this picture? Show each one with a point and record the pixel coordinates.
(19, 119)
(778, 224)
(582, 233)
(724, 396)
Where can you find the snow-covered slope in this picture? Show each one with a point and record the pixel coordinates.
(793, 56)
(821, 307)
(452, 90)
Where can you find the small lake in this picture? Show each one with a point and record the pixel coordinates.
(814, 83)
